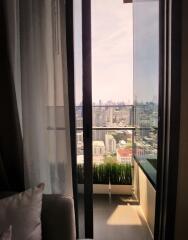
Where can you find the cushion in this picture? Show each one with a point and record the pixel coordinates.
(23, 212)
(7, 234)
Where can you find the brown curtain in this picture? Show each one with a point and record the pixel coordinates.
(11, 157)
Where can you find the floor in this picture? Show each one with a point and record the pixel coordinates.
(118, 218)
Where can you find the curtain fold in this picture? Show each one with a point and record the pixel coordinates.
(46, 132)
(11, 145)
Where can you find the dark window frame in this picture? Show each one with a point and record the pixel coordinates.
(169, 106)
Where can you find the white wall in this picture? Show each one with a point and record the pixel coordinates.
(146, 193)
(147, 199)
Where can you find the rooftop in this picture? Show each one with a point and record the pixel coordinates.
(124, 152)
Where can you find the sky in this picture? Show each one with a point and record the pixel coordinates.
(146, 51)
(112, 51)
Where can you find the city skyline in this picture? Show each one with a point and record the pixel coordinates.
(119, 103)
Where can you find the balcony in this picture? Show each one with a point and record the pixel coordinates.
(124, 168)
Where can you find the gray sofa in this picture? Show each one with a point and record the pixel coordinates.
(58, 220)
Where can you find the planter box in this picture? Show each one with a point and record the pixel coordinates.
(97, 188)
(122, 189)
(101, 188)
(106, 189)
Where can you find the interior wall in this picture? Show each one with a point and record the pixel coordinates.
(181, 229)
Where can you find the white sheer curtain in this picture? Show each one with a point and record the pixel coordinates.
(45, 95)
(12, 18)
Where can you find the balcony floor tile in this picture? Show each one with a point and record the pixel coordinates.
(116, 219)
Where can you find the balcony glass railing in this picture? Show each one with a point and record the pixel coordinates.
(146, 138)
(121, 134)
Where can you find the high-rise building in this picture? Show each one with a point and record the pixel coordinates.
(98, 148)
(98, 117)
(79, 136)
(110, 143)
(109, 116)
(99, 135)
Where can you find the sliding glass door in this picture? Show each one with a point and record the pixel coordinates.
(146, 84)
(117, 64)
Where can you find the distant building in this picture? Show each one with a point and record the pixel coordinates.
(121, 116)
(110, 143)
(124, 155)
(140, 151)
(122, 144)
(98, 148)
(79, 143)
(80, 159)
(109, 116)
(129, 134)
(99, 135)
(80, 148)
(98, 116)
(79, 136)
(79, 122)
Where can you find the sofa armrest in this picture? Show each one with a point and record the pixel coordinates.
(58, 219)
